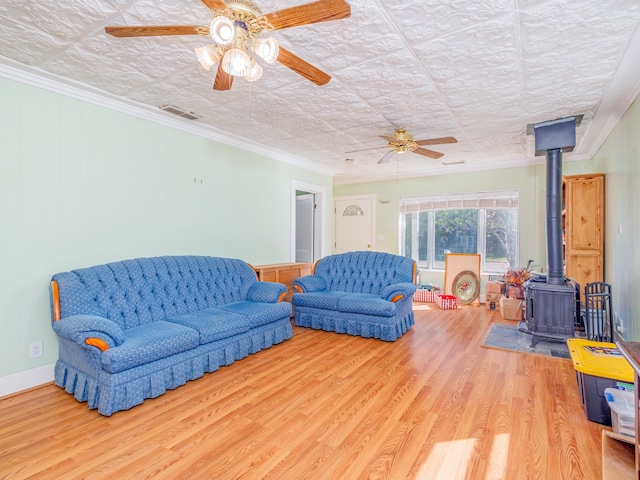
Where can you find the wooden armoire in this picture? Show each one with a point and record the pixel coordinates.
(583, 227)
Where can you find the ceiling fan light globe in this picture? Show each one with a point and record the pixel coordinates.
(255, 72)
(208, 56)
(266, 48)
(236, 62)
(222, 30)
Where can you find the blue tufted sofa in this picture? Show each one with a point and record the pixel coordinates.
(369, 294)
(130, 330)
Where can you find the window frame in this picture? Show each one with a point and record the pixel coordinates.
(429, 204)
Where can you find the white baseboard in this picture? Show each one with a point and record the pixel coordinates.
(17, 382)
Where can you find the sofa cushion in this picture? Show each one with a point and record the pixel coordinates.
(258, 313)
(327, 299)
(213, 324)
(366, 304)
(147, 343)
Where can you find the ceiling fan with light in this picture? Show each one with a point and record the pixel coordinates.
(402, 142)
(236, 27)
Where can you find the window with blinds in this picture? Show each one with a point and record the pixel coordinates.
(486, 223)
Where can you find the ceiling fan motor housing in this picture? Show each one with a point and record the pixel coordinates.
(243, 14)
(403, 142)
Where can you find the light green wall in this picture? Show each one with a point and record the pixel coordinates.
(619, 159)
(529, 181)
(81, 185)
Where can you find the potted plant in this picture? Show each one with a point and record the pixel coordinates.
(515, 280)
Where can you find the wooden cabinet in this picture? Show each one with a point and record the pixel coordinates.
(583, 226)
(284, 273)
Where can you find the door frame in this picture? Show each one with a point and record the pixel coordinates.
(319, 226)
(369, 196)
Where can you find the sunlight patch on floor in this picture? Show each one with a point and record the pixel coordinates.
(499, 457)
(424, 306)
(451, 460)
(448, 460)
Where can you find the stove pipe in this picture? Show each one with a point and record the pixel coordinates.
(553, 138)
(555, 276)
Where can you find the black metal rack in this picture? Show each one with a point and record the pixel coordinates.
(598, 316)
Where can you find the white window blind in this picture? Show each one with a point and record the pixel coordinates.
(425, 203)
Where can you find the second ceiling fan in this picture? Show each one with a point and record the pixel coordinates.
(403, 142)
(236, 28)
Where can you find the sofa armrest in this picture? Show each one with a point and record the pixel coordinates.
(310, 283)
(90, 330)
(267, 292)
(398, 291)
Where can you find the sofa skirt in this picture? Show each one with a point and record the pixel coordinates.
(110, 393)
(368, 326)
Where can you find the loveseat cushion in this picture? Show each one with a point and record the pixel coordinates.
(213, 324)
(327, 299)
(366, 304)
(258, 313)
(147, 343)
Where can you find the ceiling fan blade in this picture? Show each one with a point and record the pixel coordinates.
(156, 30)
(388, 139)
(387, 157)
(366, 149)
(303, 68)
(428, 153)
(436, 141)
(223, 80)
(315, 12)
(214, 4)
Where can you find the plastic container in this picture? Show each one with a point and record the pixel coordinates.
(621, 403)
(599, 365)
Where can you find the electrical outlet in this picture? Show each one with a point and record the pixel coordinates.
(35, 349)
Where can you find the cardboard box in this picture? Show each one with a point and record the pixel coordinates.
(511, 308)
(495, 287)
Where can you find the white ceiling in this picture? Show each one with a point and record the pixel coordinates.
(478, 70)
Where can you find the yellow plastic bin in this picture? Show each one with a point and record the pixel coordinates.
(599, 365)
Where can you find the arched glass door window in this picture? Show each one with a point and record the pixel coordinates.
(352, 211)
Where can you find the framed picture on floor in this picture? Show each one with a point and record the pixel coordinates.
(462, 276)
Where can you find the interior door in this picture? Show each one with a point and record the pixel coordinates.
(305, 212)
(354, 225)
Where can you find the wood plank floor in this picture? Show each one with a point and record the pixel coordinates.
(432, 405)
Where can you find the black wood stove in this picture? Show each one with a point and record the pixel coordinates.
(552, 302)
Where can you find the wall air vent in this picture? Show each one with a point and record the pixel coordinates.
(180, 112)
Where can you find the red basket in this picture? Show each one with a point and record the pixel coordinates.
(428, 296)
(447, 302)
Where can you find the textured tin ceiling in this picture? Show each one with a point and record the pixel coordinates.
(478, 70)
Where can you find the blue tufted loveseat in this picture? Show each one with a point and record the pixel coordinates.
(369, 294)
(130, 330)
